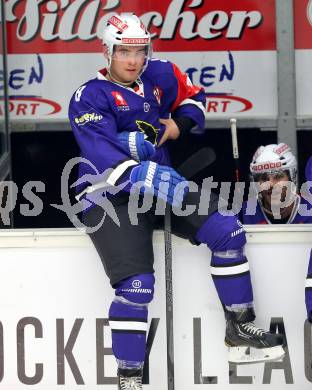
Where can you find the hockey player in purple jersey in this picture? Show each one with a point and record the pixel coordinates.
(308, 284)
(275, 165)
(123, 121)
(308, 170)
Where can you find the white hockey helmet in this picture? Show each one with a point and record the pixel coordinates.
(126, 29)
(273, 158)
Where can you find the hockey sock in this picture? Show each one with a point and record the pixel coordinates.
(128, 322)
(231, 276)
(225, 237)
(308, 290)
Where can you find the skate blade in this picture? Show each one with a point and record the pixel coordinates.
(249, 355)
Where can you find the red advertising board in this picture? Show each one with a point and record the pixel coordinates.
(303, 24)
(74, 26)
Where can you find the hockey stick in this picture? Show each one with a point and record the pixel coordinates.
(235, 148)
(169, 298)
(194, 164)
(197, 162)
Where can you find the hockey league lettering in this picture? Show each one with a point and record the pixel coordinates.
(177, 25)
(33, 366)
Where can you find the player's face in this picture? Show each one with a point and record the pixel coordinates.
(127, 63)
(279, 181)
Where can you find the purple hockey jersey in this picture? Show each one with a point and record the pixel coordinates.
(100, 109)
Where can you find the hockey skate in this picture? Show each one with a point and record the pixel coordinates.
(129, 379)
(249, 344)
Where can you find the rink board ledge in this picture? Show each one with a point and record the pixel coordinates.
(71, 237)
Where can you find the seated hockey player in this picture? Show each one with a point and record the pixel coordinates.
(308, 171)
(123, 121)
(275, 165)
(274, 170)
(308, 284)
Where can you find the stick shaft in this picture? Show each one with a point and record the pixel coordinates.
(235, 147)
(169, 299)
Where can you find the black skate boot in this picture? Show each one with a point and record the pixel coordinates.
(249, 344)
(129, 379)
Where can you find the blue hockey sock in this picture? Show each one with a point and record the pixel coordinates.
(308, 290)
(128, 322)
(225, 237)
(231, 276)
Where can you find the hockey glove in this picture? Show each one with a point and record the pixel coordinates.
(161, 180)
(136, 145)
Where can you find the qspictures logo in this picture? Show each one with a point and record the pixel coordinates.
(95, 189)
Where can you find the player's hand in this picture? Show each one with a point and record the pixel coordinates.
(161, 180)
(171, 132)
(136, 145)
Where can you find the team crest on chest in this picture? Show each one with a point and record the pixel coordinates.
(157, 93)
(146, 107)
(120, 101)
(149, 130)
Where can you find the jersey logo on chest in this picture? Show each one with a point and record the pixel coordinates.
(146, 107)
(120, 101)
(157, 93)
(149, 130)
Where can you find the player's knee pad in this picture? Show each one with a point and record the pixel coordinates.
(136, 289)
(222, 233)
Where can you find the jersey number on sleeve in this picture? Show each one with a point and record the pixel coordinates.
(79, 93)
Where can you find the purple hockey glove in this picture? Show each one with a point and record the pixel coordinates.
(161, 180)
(136, 145)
